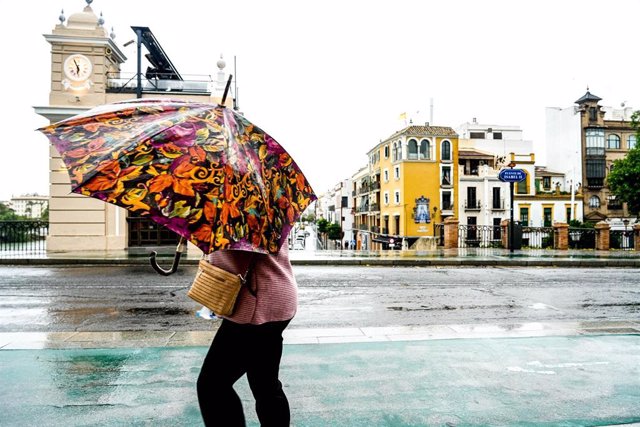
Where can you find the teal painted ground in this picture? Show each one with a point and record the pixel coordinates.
(551, 381)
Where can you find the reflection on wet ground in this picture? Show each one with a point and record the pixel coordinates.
(573, 381)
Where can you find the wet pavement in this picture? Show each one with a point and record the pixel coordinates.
(531, 375)
(564, 373)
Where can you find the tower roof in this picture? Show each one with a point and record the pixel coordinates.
(588, 97)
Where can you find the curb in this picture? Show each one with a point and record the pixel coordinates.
(400, 262)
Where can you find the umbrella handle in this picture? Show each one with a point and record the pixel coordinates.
(176, 260)
(226, 90)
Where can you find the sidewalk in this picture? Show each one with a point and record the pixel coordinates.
(561, 374)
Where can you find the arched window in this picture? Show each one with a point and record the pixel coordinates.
(446, 150)
(613, 141)
(425, 150)
(631, 142)
(412, 150)
(394, 150)
(594, 202)
(399, 152)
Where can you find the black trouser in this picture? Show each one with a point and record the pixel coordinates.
(238, 349)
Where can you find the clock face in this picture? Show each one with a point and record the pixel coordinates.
(77, 67)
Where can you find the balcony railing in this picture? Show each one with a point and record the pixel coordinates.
(497, 205)
(375, 207)
(472, 205)
(128, 83)
(23, 237)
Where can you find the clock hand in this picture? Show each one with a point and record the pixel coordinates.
(77, 66)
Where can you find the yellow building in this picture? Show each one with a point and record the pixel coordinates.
(411, 187)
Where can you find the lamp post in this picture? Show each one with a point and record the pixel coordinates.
(435, 211)
(626, 235)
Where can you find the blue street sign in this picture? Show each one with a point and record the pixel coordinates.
(512, 175)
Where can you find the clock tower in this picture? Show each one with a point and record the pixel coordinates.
(83, 57)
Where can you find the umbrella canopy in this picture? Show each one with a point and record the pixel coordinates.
(201, 170)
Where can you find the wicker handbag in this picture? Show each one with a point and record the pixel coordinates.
(216, 289)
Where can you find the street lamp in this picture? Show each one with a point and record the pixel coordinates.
(626, 234)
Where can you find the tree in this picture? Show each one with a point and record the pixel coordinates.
(323, 226)
(7, 214)
(334, 232)
(624, 178)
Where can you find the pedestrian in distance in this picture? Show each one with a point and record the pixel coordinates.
(249, 341)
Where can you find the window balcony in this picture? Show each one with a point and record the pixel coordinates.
(472, 205)
(498, 205)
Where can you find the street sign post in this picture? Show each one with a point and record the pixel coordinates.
(511, 175)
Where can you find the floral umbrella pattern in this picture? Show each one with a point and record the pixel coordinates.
(203, 171)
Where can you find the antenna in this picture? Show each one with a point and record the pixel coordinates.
(236, 105)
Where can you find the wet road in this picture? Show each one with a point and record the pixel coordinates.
(135, 298)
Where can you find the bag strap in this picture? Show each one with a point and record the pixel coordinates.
(246, 277)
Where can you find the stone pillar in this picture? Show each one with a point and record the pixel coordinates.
(451, 232)
(561, 235)
(504, 226)
(602, 236)
(636, 237)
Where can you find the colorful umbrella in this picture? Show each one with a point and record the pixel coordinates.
(201, 170)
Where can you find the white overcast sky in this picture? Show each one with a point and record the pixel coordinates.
(328, 79)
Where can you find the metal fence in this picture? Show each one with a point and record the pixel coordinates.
(537, 237)
(621, 239)
(28, 236)
(479, 236)
(582, 238)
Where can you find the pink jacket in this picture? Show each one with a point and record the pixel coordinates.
(272, 280)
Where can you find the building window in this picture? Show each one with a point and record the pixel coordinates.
(396, 197)
(446, 175)
(396, 172)
(522, 186)
(595, 142)
(594, 202)
(412, 150)
(593, 114)
(386, 175)
(546, 183)
(631, 142)
(399, 153)
(386, 197)
(472, 203)
(497, 135)
(476, 135)
(446, 150)
(524, 216)
(497, 199)
(547, 214)
(425, 150)
(613, 142)
(446, 201)
(386, 151)
(568, 214)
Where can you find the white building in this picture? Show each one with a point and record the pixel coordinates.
(29, 205)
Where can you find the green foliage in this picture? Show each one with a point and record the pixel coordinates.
(7, 214)
(577, 224)
(624, 178)
(334, 231)
(323, 225)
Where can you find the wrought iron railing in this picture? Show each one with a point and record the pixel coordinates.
(24, 236)
(479, 236)
(582, 238)
(621, 239)
(537, 237)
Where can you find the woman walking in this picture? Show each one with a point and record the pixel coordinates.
(250, 341)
